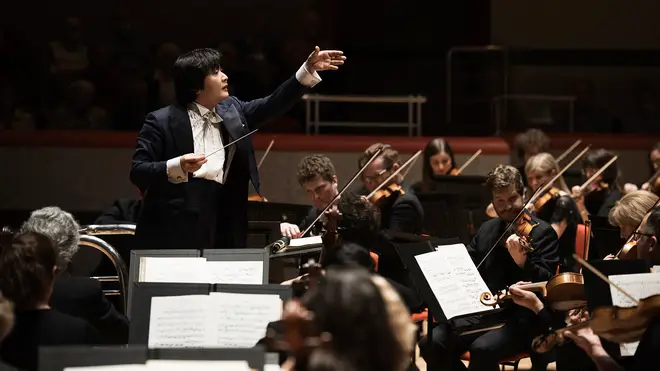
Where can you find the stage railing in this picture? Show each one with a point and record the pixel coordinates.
(414, 102)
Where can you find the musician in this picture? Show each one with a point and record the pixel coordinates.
(317, 177)
(505, 266)
(602, 194)
(654, 164)
(648, 235)
(556, 206)
(191, 200)
(369, 328)
(438, 160)
(28, 266)
(81, 297)
(401, 212)
(528, 144)
(629, 211)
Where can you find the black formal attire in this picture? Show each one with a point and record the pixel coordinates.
(498, 271)
(83, 297)
(402, 213)
(563, 208)
(201, 213)
(600, 203)
(35, 328)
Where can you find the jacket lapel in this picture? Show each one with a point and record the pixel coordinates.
(231, 120)
(181, 130)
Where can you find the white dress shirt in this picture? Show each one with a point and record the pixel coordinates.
(205, 125)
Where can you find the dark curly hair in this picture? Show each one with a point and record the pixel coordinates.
(27, 269)
(360, 221)
(315, 165)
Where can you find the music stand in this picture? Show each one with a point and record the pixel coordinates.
(254, 356)
(262, 233)
(134, 270)
(57, 358)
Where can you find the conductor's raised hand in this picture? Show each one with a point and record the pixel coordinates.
(323, 60)
(192, 162)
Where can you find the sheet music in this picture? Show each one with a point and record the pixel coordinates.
(640, 286)
(306, 241)
(454, 280)
(655, 269)
(185, 365)
(108, 368)
(173, 270)
(180, 322)
(237, 272)
(240, 320)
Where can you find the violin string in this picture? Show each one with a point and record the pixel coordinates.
(381, 185)
(327, 207)
(508, 227)
(231, 143)
(604, 278)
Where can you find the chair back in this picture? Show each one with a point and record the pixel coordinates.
(583, 239)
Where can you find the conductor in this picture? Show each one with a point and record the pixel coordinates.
(195, 201)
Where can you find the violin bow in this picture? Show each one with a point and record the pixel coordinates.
(569, 150)
(636, 228)
(474, 156)
(549, 184)
(604, 278)
(311, 225)
(508, 227)
(597, 173)
(232, 142)
(409, 163)
(265, 154)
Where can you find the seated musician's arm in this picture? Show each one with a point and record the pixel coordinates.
(563, 211)
(542, 263)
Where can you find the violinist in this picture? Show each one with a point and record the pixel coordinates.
(438, 160)
(505, 266)
(401, 211)
(654, 165)
(630, 210)
(528, 144)
(556, 206)
(602, 194)
(317, 177)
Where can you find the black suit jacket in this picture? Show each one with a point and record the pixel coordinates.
(83, 297)
(499, 270)
(404, 214)
(200, 214)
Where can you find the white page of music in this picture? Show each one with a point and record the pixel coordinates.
(240, 320)
(108, 368)
(305, 241)
(453, 279)
(173, 270)
(655, 269)
(236, 272)
(640, 286)
(186, 365)
(180, 322)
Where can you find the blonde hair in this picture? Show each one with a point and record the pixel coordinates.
(399, 318)
(631, 208)
(545, 163)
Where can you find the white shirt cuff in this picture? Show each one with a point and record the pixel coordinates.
(175, 173)
(307, 78)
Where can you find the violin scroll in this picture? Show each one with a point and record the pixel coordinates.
(489, 300)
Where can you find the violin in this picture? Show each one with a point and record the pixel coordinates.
(615, 324)
(551, 194)
(330, 236)
(654, 185)
(523, 227)
(565, 291)
(454, 172)
(380, 197)
(627, 252)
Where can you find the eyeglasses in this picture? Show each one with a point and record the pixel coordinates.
(636, 235)
(372, 178)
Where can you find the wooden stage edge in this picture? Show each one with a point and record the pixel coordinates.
(328, 143)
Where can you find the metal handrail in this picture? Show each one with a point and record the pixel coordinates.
(471, 49)
(108, 229)
(116, 259)
(365, 98)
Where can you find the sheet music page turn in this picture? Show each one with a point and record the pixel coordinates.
(240, 320)
(640, 286)
(454, 280)
(236, 272)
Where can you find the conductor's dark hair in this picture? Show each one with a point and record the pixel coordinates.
(190, 70)
(27, 269)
